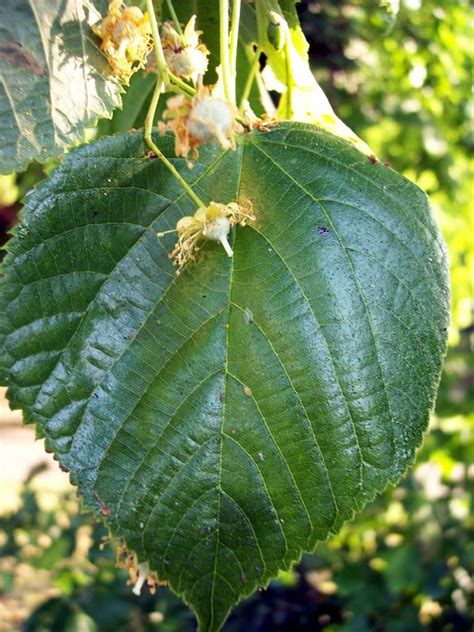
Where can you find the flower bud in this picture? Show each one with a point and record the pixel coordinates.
(208, 222)
(210, 121)
(185, 55)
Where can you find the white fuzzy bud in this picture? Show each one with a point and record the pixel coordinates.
(210, 121)
(188, 63)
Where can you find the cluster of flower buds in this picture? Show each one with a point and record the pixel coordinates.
(127, 43)
(210, 222)
(203, 119)
(126, 39)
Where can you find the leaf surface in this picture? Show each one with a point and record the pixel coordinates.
(230, 418)
(54, 81)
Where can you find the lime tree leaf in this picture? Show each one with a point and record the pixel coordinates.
(227, 419)
(54, 81)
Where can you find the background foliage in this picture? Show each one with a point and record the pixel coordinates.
(401, 80)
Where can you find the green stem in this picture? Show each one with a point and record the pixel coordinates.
(150, 116)
(234, 40)
(183, 87)
(224, 48)
(160, 56)
(289, 80)
(163, 79)
(174, 17)
(195, 198)
(250, 78)
(149, 141)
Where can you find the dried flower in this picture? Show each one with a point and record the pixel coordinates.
(210, 222)
(185, 55)
(126, 39)
(263, 123)
(143, 571)
(202, 120)
(139, 573)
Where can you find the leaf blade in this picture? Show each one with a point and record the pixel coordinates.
(231, 417)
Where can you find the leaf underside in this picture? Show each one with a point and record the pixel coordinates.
(231, 417)
(54, 81)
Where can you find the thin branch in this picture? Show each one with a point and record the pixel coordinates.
(224, 48)
(174, 17)
(234, 40)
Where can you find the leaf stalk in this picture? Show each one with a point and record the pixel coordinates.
(163, 80)
(224, 50)
(234, 41)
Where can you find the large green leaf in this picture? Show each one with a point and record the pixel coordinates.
(229, 418)
(54, 81)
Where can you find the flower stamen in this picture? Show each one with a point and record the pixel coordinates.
(211, 222)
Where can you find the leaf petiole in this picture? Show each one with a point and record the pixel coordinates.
(224, 50)
(250, 78)
(164, 79)
(174, 17)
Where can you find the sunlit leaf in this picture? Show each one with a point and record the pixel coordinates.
(54, 82)
(288, 72)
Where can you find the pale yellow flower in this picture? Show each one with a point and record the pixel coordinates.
(210, 222)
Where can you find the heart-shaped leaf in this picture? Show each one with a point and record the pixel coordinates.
(54, 80)
(227, 419)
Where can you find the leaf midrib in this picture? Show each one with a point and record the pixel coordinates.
(221, 430)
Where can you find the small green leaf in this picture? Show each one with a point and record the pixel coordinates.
(54, 80)
(229, 418)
